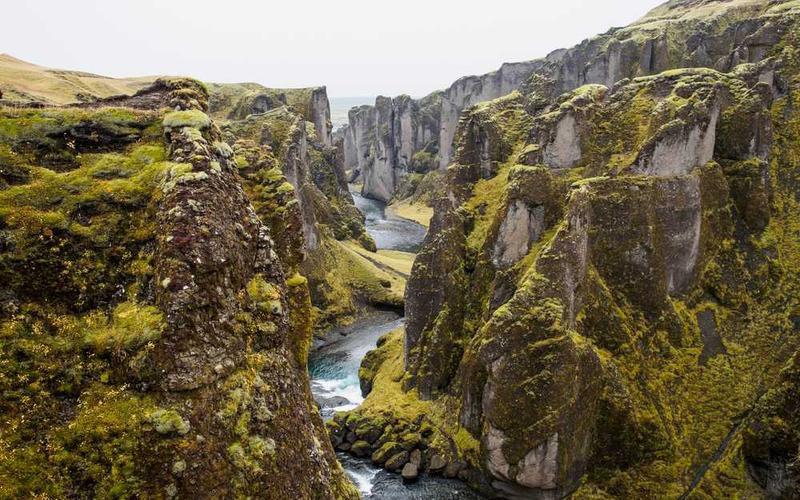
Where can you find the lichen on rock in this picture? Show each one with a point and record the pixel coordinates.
(150, 343)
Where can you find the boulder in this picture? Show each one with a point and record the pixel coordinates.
(410, 440)
(397, 461)
(453, 468)
(369, 433)
(437, 463)
(388, 450)
(416, 458)
(331, 402)
(410, 472)
(360, 448)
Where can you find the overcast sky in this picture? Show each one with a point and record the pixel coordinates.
(355, 47)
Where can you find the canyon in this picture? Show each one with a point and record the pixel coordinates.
(575, 276)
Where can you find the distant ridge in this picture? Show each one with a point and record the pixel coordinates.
(24, 82)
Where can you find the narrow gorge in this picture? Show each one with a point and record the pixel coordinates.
(573, 277)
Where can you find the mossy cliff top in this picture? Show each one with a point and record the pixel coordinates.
(237, 101)
(150, 342)
(298, 187)
(607, 301)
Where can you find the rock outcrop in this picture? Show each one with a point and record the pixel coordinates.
(676, 35)
(298, 184)
(386, 142)
(154, 334)
(606, 302)
(237, 101)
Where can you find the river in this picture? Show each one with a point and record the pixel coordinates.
(334, 371)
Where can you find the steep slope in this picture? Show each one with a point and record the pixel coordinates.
(237, 101)
(606, 303)
(679, 34)
(25, 83)
(297, 183)
(153, 335)
(386, 143)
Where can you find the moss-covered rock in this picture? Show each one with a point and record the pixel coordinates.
(150, 344)
(594, 317)
(298, 188)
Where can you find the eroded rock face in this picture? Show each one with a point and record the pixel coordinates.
(321, 115)
(237, 101)
(521, 227)
(565, 149)
(581, 270)
(682, 147)
(382, 143)
(472, 90)
(677, 36)
(299, 189)
(184, 332)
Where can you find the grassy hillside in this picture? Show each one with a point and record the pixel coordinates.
(23, 81)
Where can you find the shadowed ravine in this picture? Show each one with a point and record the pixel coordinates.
(334, 370)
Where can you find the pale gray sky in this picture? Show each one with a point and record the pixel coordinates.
(355, 47)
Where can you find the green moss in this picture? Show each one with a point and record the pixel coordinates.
(286, 187)
(191, 118)
(487, 197)
(343, 281)
(130, 326)
(96, 451)
(85, 224)
(168, 422)
(249, 457)
(300, 318)
(38, 124)
(387, 397)
(265, 295)
(424, 161)
(296, 280)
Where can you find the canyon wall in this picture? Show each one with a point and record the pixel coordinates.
(386, 142)
(605, 304)
(668, 37)
(154, 328)
(237, 101)
(296, 180)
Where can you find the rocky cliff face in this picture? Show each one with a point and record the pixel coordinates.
(298, 184)
(676, 35)
(237, 101)
(154, 334)
(604, 302)
(280, 143)
(385, 143)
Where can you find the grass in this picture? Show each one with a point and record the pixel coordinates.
(487, 193)
(129, 327)
(387, 396)
(415, 211)
(23, 81)
(190, 118)
(388, 400)
(387, 260)
(365, 273)
(344, 282)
